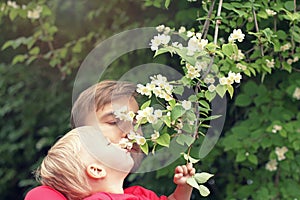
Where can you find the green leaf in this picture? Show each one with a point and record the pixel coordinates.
(185, 139)
(161, 51)
(210, 95)
(202, 177)
(178, 90)
(146, 104)
(77, 48)
(19, 59)
(211, 117)
(164, 140)
(229, 49)
(221, 90)
(230, 90)
(7, 44)
(145, 148)
(204, 191)
(34, 51)
(177, 112)
(253, 159)
(242, 100)
(193, 98)
(167, 120)
(192, 182)
(167, 3)
(241, 156)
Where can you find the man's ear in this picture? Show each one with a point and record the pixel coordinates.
(95, 171)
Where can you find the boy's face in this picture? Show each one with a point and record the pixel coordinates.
(112, 127)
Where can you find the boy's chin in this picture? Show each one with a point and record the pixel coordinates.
(137, 156)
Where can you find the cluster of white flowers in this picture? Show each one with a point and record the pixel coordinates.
(160, 39)
(296, 93)
(276, 128)
(237, 57)
(271, 12)
(285, 47)
(241, 66)
(194, 71)
(196, 44)
(210, 80)
(35, 13)
(272, 165)
(270, 63)
(280, 152)
(159, 86)
(132, 137)
(163, 29)
(13, 4)
(236, 35)
(291, 61)
(232, 77)
(181, 30)
(149, 114)
(124, 115)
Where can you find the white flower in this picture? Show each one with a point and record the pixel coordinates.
(155, 135)
(12, 4)
(223, 80)
(158, 40)
(144, 90)
(167, 30)
(186, 104)
(177, 45)
(158, 113)
(140, 140)
(270, 12)
(190, 33)
(241, 67)
(237, 57)
(276, 128)
(236, 35)
(152, 119)
(237, 77)
(34, 14)
(160, 28)
(123, 114)
(285, 47)
(124, 143)
(270, 63)
(296, 93)
(192, 72)
(211, 88)
(182, 29)
(131, 135)
(280, 152)
(272, 165)
(296, 59)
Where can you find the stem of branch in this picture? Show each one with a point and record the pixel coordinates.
(207, 21)
(257, 30)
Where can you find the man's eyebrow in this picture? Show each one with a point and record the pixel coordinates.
(109, 114)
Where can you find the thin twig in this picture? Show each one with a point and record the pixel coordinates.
(207, 21)
(257, 30)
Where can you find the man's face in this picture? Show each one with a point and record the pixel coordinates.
(114, 129)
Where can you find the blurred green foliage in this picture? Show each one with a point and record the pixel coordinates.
(39, 58)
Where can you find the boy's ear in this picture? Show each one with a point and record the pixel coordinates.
(95, 171)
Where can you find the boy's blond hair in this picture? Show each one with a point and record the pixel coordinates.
(63, 170)
(96, 97)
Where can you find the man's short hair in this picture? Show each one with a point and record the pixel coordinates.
(96, 97)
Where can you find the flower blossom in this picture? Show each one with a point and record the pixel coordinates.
(13, 4)
(270, 63)
(35, 14)
(272, 165)
(232, 77)
(192, 72)
(237, 57)
(285, 47)
(123, 114)
(280, 152)
(270, 12)
(155, 135)
(276, 128)
(296, 93)
(124, 143)
(186, 104)
(182, 29)
(241, 66)
(196, 44)
(236, 35)
(159, 40)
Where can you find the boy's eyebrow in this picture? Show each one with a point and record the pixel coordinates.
(109, 114)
